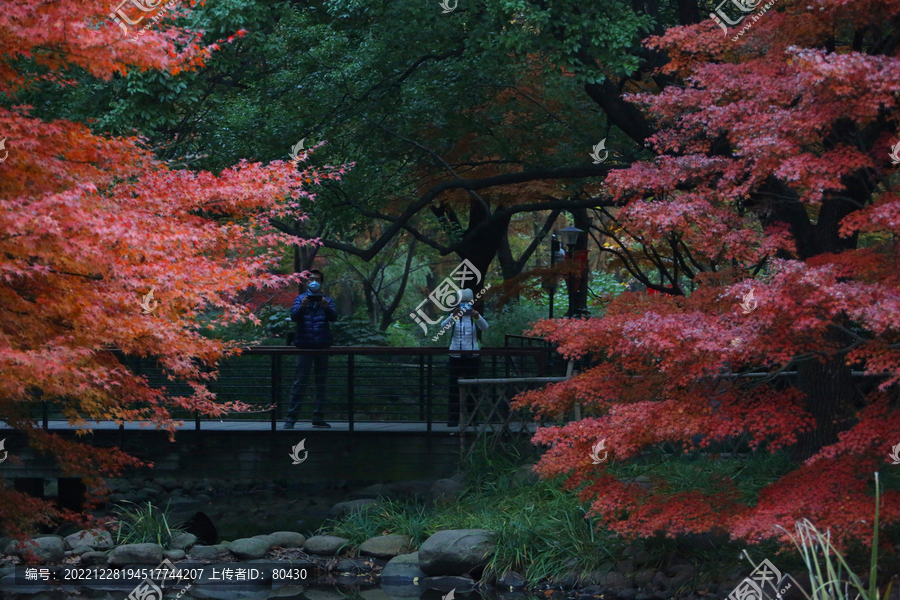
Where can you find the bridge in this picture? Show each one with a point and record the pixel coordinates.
(387, 408)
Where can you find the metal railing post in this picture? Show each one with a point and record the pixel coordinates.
(463, 420)
(350, 391)
(428, 396)
(197, 412)
(276, 388)
(421, 387)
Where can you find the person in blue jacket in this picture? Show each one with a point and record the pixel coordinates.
(313, 311)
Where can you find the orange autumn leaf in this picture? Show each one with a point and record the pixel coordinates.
(89, 225)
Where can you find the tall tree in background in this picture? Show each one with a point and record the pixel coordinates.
(464, 125)
(773, 186)
(103, 246)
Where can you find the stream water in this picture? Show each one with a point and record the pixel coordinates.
(258, 592)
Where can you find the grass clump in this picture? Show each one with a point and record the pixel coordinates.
(137, 524)
(390, 517)
(541, 531)
(708, 473)
(830, 577)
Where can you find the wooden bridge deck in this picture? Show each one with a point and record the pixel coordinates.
(247, 425)
(242, 449)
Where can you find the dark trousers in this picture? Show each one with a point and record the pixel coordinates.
(305, 363)
(463, 367)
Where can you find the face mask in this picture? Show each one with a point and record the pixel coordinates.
(314, 286)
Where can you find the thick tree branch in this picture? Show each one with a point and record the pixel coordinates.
(620, 113)
(437, 157)
(548, 225)
(401, 222)
(635, 270)
(387, 314)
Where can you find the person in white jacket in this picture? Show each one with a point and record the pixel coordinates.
(465, 337)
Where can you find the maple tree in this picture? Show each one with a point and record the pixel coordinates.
(772, 176)
(89, 225)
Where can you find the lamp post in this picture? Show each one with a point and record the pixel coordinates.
(569, 237)
(557, 255)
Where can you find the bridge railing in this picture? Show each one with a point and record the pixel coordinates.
(485, 409)
(364, 384)
(512, 340)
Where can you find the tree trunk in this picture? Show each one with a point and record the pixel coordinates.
(369, 294)
(830, 393)
(827, 383)
(507, 263)
(303, 255)
(482, 254)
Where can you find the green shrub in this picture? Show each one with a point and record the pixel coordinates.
(275, 324)
(354, 331)
(514, 319)
(404, 333)
(136, 524)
